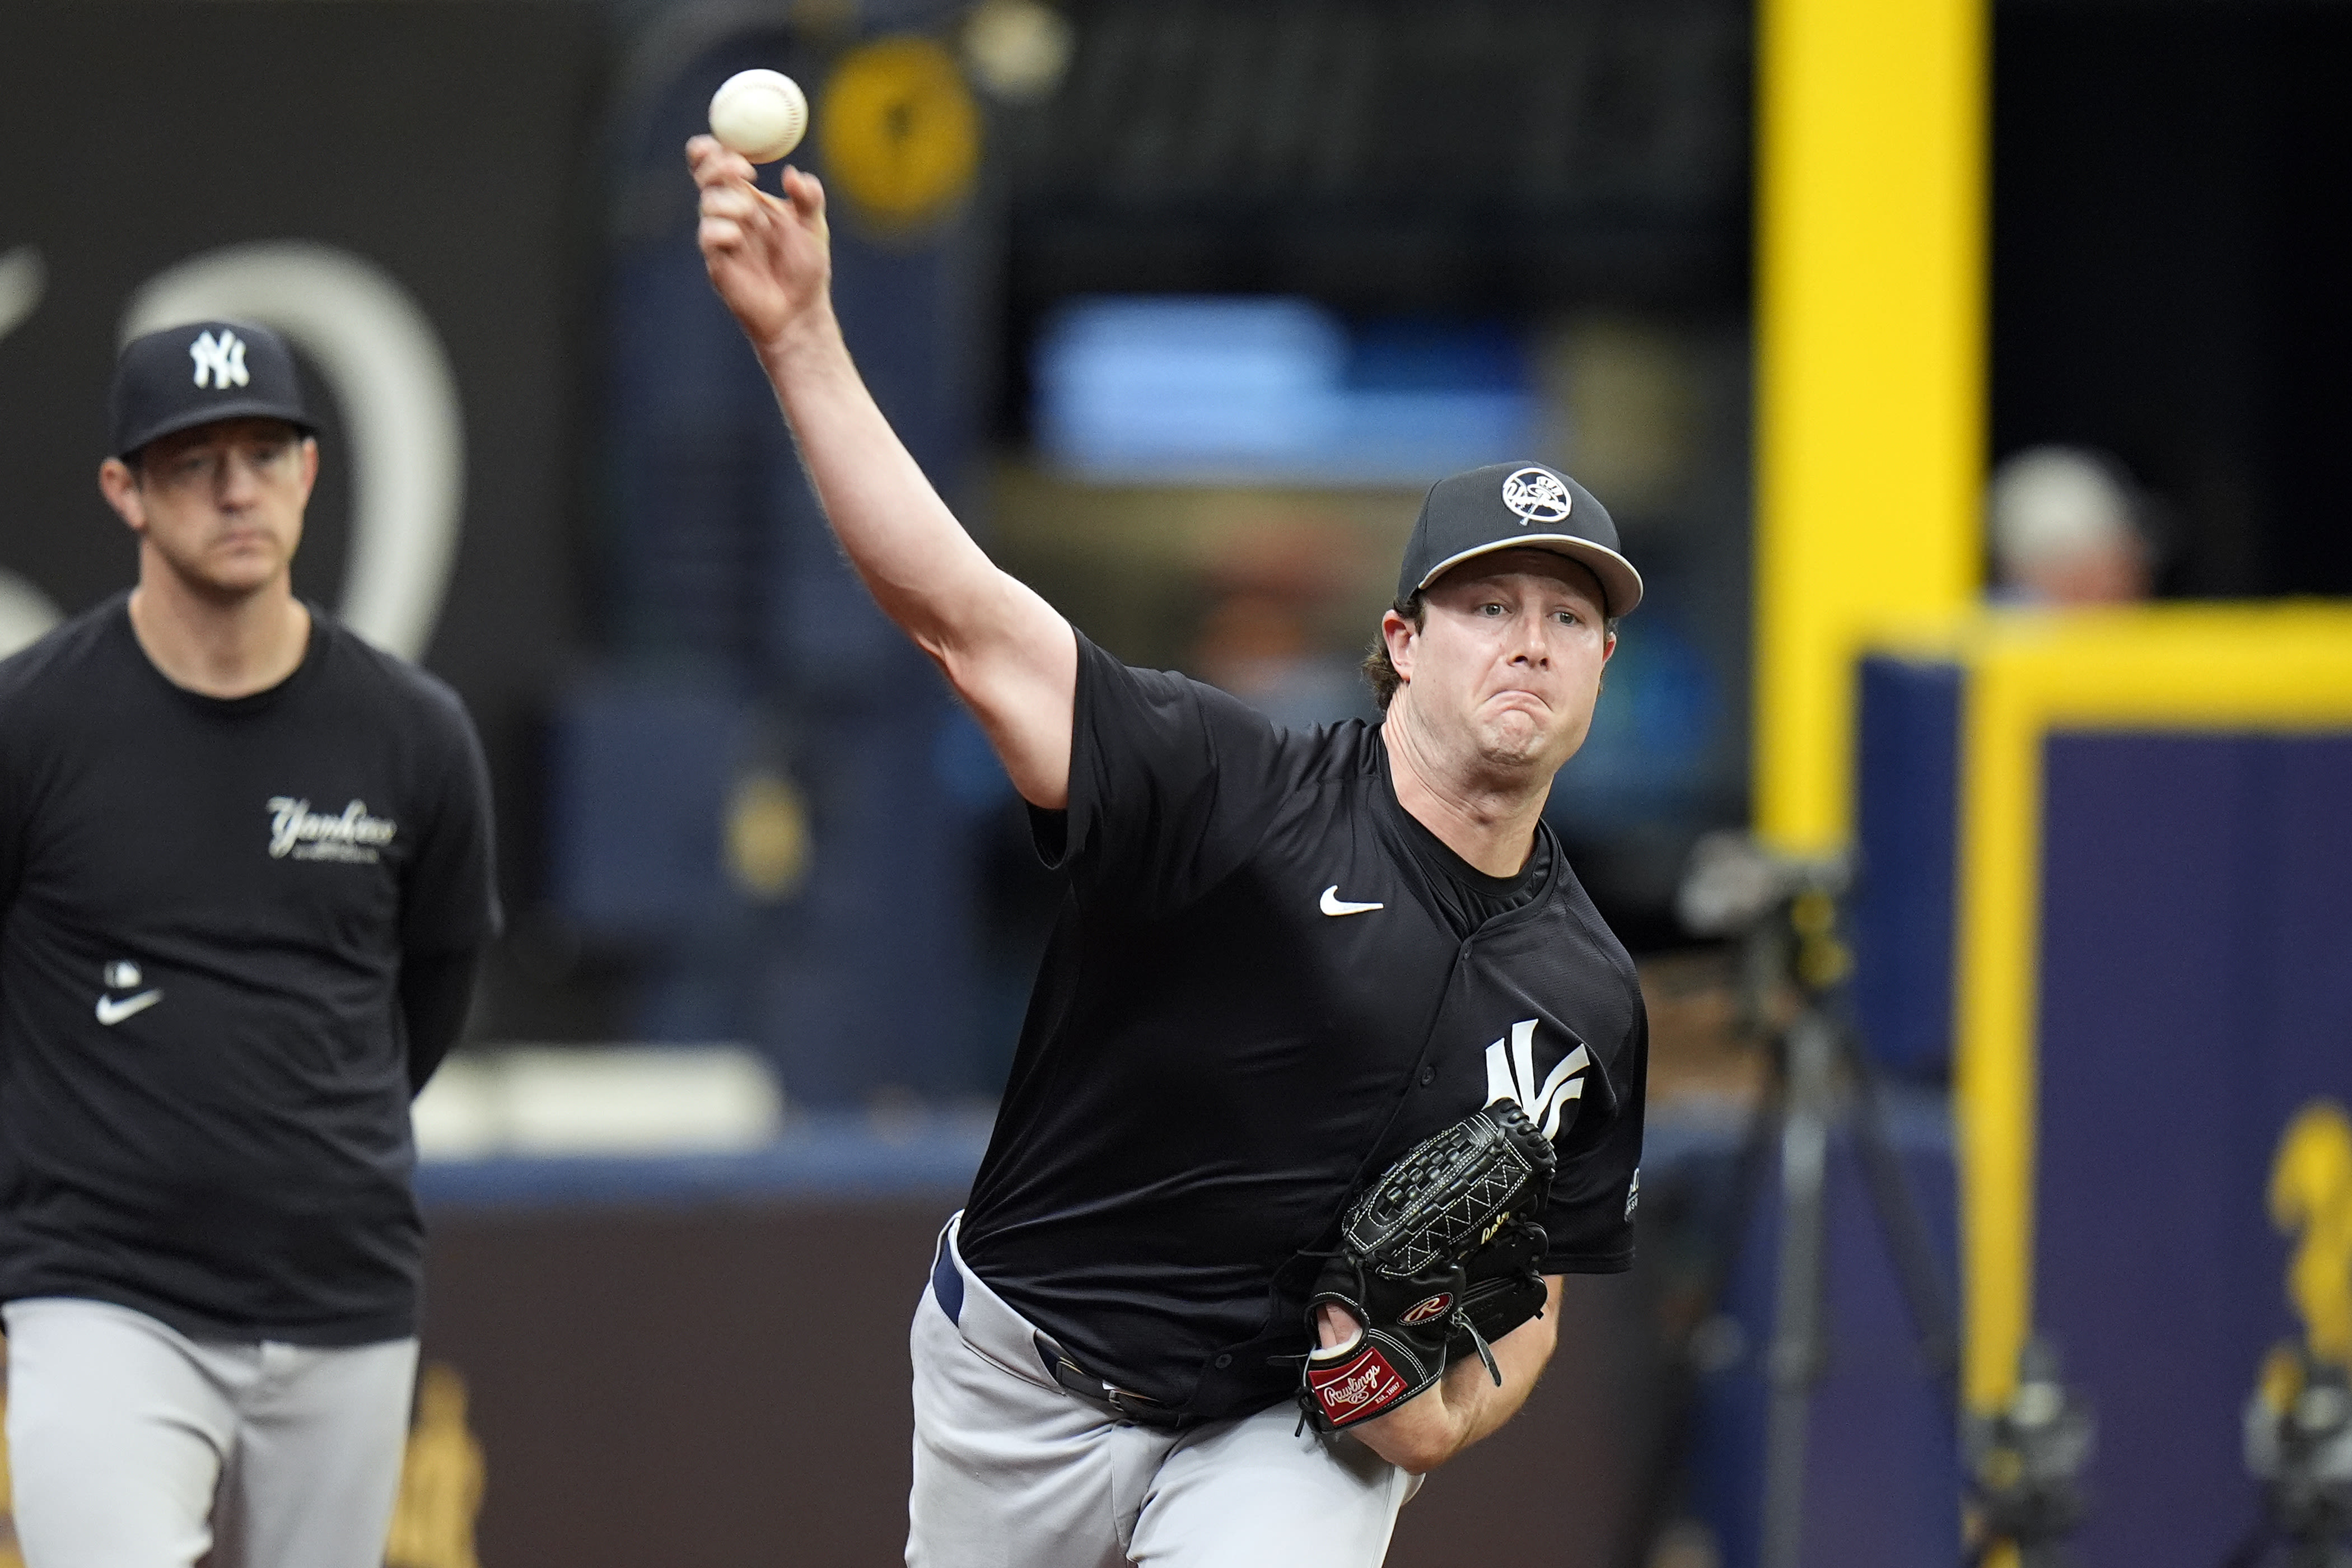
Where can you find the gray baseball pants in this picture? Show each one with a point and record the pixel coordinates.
(135, 1446)
(1011, 1471)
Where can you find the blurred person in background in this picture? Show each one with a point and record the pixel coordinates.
(1269, 587)
(1284, 958)
(245, 881)
(2067, 528)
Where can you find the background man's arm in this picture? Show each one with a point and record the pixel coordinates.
(436, 990)
(1008, 654)
(12, 829)
(1464, 1404)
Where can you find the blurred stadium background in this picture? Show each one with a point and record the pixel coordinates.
(1182, 302)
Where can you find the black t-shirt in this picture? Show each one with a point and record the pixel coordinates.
(203, 908)
(1467, 897)
(1255, 999)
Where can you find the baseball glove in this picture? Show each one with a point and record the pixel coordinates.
(1437, 1258)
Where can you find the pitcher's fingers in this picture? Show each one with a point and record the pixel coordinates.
(1336, 1327)
(805, 192)
(714, 164)
(719, 234)
(740, 202)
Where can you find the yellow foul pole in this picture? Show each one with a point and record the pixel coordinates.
(1870, 365)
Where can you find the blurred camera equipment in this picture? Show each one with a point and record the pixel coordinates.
(2299, 1446)
(2025, 1465)
(1793, 967)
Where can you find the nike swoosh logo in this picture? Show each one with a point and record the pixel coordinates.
(111, 1011)
(1333, 904)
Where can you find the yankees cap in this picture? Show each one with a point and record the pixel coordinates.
(196, 374)
(1516, 506)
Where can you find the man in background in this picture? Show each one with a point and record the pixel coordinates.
(245, 880)
(2066, 529)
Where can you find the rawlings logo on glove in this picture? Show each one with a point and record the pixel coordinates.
(1437, 1258)
(1365, 1382)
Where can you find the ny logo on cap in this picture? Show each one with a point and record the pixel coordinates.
(222, 360)
(1536, 495)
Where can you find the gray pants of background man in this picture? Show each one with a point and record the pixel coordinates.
(1011, 1471)
(134, 1447)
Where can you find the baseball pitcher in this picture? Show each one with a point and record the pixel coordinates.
(1331, 1072)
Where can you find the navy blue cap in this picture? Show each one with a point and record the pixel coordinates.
(205, 370)
(1516, 506)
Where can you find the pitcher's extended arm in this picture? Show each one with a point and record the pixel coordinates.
(1011, 657)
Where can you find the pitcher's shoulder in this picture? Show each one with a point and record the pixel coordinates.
(1335, 752)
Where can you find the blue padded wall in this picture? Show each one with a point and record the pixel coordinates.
(638, 776)
(728, 597)
(2196, 991)
(1907, 830)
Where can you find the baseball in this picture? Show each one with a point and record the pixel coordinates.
(759, 113)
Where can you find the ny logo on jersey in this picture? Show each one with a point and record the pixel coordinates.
(222, 359)
(1511, 1075)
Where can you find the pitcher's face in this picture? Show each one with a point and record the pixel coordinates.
(1506, 664)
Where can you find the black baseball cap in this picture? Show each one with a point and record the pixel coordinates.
(205, 370)
(1516, 506)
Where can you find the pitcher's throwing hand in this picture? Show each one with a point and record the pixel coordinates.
(770, 258)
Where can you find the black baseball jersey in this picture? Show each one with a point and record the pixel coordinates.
(203, 908)
(1262, 989)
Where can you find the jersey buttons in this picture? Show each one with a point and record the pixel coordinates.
(1428, 1074)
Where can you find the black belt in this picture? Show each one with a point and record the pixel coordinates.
(1119, 1403)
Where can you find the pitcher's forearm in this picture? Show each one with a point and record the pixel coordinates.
(1009, 654)
(1006, 651)
(915, 557)
(1467, 1404)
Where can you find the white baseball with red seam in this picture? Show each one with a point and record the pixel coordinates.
(761, 114)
